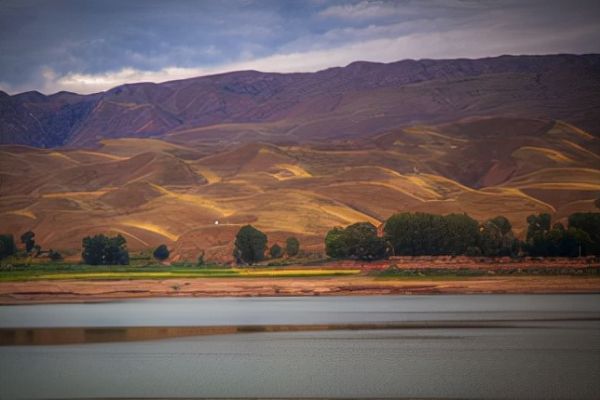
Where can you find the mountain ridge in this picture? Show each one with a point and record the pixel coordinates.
(352, 101)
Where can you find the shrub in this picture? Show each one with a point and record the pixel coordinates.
(54, 255)
(200, 261)
(105, 250)
(292, 246)
(7, 245)
(276, 251)
(161, 253)
(250, 245)
(28, 241)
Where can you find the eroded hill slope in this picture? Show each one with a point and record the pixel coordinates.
(156, 191)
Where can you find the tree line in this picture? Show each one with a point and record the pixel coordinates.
(415, 234)
(403, 234)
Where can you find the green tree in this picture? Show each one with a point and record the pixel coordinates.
(7, 245)
(581, 237)
(429, 234)
(400, 231)
(105, 250)
(335, 243)
(562, 242)
(250, 244)
(363, 242)
(462, 232)
(292, 246)
(502, 223)
(162, 252)
(275, 251)
(538, 227)
(497, 239)
(590, 224)
(538, 224)
(28, 241)
(357, 241)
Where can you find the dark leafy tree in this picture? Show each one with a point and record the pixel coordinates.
(582, 237)
(400, 231)
(275, 251)
(292, 246)
(162, 252)
(7, 245)
(200, 260)
(335, 243)
(250, 244)
(461, 232)
(28, 241)
(497, 239)
(502, 223)
(538, 227)
(357, 241)
(363, 242)
(590, 224)
(570, 242)
(429, 234)
(54, 255)
(105, 250)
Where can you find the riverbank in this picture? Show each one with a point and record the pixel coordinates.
(65, 291)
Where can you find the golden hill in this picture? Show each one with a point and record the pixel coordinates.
(154, 191)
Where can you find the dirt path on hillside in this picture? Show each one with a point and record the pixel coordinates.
(91, 291)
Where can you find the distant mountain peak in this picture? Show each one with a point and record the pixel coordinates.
(359, 99)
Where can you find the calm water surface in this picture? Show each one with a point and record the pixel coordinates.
(300, 310)
(530, 359)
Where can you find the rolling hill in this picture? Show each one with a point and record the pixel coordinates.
(173, 191)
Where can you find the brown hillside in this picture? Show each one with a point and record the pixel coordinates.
(154, 191)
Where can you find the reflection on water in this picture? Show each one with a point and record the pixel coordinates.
(545, 361)
(54, 336)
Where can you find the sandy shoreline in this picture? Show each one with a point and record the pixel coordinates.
(67, 291)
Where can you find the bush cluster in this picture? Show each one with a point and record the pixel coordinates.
(105, 250)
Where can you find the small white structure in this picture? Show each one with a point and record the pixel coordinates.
(217, 222)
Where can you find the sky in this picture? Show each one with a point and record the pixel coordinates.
(86, 46)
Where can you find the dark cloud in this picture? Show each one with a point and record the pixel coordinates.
(89, 45)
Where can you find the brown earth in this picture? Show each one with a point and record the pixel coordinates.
(155, 191)
(91, 291)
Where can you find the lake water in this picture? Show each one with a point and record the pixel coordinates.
(550, 348)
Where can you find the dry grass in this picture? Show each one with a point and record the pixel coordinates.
(154, 192)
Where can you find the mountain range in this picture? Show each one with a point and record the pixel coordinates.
(360, 99)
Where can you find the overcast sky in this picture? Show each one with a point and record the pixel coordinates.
(87, 46)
